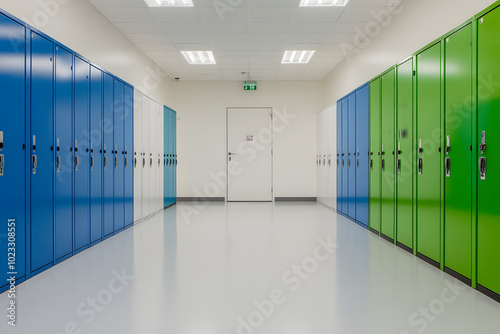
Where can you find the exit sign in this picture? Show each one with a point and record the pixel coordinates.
(250, 86)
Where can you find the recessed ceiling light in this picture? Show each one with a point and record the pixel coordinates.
(199, 57)
(297, 57)
(169, 3)
(316, 3)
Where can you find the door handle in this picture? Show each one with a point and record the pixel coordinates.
(342, 163)
(91, 163)
(357, 163)
(159, 162)
(58, 163)
(150, 162)
(77, 162)
(35, 162)
(116, 162)
(399, 166)
(349, 163)
(447, 166)
(135, 162)
(143, 162)
(105, 162)
(482, 168)
(420, 163)
(126, 162)
(2, 164)
(371, 164)
(382, 164)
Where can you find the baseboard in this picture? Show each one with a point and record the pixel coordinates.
(458, 276)
(391, 240)
(295, 199)
(374, 231)
(201, 199)
(403, 246)
(493, 295)
(430, 261)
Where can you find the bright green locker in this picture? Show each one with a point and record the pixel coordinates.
(375, 176)
(387, 225)
(429, 139)
(404, 155)
(458, 154)
(488, 223)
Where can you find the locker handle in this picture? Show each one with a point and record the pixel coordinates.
(176, 162)
(1, 140)
(135, 162)
(58, 163)
(357, 163)
(164, 162)
(126, 162)
(159, 161)
(329, 162)
(371, 164)
(337, 163)
(143, 162)
(105, 162)
(482, 168)
(77, 162)
(150, 162)
(382, 164)
(420, 162)
(2, 164)
(447, 166)
(349, 163)
(399, 166)
(482, 147)
(35, 162)
(91, 163)
(116, 163)
(324, 162)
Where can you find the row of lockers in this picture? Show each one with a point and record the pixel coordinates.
(325, 159)
(433, 138)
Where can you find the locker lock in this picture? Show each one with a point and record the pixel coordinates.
(482, 168)
(1, 140)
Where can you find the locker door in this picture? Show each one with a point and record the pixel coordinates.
(345, 148)
(129, 156)
(351, 156)
(119, 153)
(332, 148)
(488, 228)
(160, 157)
(12, 154)
(387, 153)
(152, 150)
(458, 126)
(146, 200)
(138, 147)
(42, 177)
(82, 155)
(322, 123)
(64, 151)
(375, 158)
(340, 158)
(404, 155)
(166, 134)
(361, 158)
(174, 152)
(96, 140)
(429, 175)
(108, 150)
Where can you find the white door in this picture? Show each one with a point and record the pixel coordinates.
(249, 154)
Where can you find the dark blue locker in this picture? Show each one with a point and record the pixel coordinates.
(351, 156)
(41, 148)
(82, 156)
(108, 153)
(119, 155)
(172, 161)
(362, 139)
(129, 156)
(339, 156)
(12, 155)
(174, 143)
(345, 149)
(65, 155)
(166, 156)
(96, 141)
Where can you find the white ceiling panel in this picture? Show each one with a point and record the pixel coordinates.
(244, 35)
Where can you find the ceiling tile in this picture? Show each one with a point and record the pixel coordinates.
(224, 28)
(183, 28)
(188, 38)
(271, 15)
(128, 15)
(171, 15)
(229, 15)
(316, 15)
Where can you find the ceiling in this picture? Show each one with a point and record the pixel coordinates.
(245, 35)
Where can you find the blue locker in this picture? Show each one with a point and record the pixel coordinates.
(174, 141)
(119, 155)
(172, 161)
(65, 155)
(12, 154)
(166, 149)
(345, 148)
(351, 156)
(96, 143)
(82, 156)
(339, 156)
(42, 151)
(129, 156)
(108, 153)
(362, 142)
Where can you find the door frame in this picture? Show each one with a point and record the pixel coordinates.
(226, 163)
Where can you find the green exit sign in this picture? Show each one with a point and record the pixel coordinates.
(250, 86)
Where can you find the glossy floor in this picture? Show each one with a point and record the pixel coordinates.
(285, 268)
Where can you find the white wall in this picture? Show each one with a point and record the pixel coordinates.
(201, 140)
(78, 25)
(416, 24)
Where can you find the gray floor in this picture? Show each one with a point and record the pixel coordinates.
(285, 268)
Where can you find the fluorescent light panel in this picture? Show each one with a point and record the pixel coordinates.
(297, 57)
(318, 3)
(199, 57)
(169, 3)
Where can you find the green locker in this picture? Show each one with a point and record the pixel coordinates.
(429, 139)
(388, 165)
(488, 136)
(375, 176)
(404, 155)
(458, 154)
